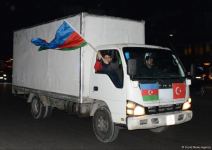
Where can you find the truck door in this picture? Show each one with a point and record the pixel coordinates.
(107, 83)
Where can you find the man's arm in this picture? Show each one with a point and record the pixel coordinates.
(99, 57)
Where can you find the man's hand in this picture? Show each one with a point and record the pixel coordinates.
(99, 56)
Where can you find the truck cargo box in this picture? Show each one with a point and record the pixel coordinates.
(68, 72)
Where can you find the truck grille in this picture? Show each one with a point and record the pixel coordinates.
(162, 109)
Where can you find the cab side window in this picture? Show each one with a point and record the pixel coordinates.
(109, 62)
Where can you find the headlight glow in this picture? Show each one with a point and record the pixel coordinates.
(129, 111)
(130, 105)
(4, 75)
(135, 109)
(189, 100)
(187, 104)
(198, 77)
(139, 110)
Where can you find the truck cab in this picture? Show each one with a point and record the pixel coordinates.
(146, 98)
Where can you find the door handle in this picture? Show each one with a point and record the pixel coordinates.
(95, 88)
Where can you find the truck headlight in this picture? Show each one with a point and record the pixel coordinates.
(131, 105)
(187, 104)
(4, 75)
(139, 110)
(134, 109)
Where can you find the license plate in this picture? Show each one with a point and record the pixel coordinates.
(170, 120)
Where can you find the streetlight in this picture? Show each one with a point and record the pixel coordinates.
(171, 35)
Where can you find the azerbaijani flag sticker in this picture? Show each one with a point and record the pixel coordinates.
(149, 91)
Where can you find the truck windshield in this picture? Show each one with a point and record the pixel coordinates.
(153, 63)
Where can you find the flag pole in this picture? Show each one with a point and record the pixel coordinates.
(81, 65)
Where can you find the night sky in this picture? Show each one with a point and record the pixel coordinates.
(188, 21)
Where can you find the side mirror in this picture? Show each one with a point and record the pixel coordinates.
(131, 67)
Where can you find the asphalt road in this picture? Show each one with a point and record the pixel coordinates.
(19, 131)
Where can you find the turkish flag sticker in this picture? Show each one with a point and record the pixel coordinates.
(179, 90)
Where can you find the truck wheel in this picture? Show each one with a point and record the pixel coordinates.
(158, 130)
(37, 108)
(48, 111)
(103, 126)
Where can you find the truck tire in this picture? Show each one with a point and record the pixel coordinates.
(38, 110)
(48, 111)
(103, 126)
(158, 130)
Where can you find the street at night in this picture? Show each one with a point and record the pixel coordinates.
(106, 75)
(19, 131)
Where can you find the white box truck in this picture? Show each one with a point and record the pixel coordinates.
(130, 97)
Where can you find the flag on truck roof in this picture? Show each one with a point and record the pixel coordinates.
(66, 38)
(149, 91)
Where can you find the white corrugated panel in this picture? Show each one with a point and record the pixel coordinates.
(48, 70)
(101, 30)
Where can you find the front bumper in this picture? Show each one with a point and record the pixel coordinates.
(158, 120)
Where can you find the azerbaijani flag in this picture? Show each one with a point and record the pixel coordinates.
(65, 39)
(149, 91)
